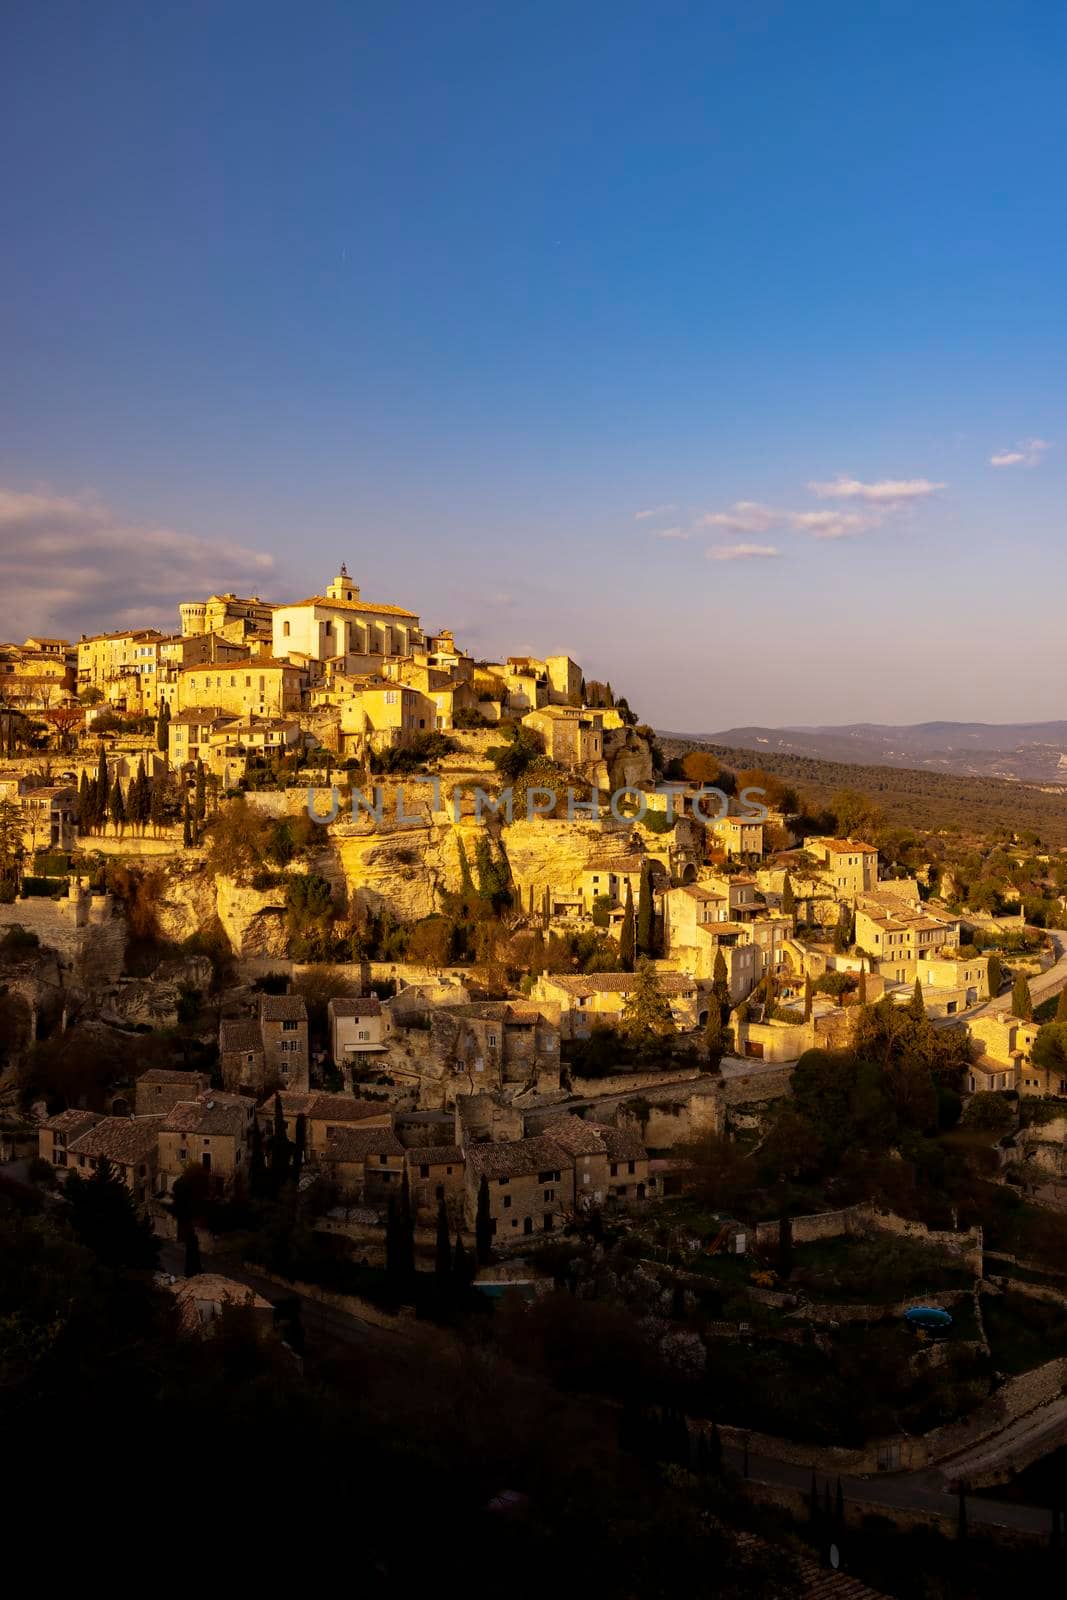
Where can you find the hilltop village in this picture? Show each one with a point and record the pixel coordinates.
(362, 964)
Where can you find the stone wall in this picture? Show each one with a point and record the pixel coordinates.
(863, 1219)
(746, 1088)
(630, 1083)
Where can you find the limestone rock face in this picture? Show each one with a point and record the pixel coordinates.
(253, 920)
(188, 905)
(552, 855)
(402, 870)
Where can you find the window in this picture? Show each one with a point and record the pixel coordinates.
(614, 1169)
(440, 1191)
(507, 1202)
(382, 1160)
(502, 1181)
(550, 1195)
(288, 1026)
(183, 1155)
(285, 630)
(424, 1170)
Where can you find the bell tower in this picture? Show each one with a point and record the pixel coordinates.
(342, 587)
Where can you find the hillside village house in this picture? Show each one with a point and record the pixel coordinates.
(38, 675)
(571, 737)
(609, 1163)
(898, 938)
(493, 1044)
(357, 1027)
(283, 1024)
(342, 623)
(380, 714)
(435, 1173)
(1006, 1059)
(227, 615)
(130, 1144)
(161, 1088)
(851, 867)
(367, 1162)
(600, 997)
(263, 687)
(211, 1132)
(129, 653)
(738, 836)
(56, 1134)
(530, 1184)
(609, 877)
(324, 1115)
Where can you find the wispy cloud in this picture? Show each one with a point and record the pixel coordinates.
(744, 516)
(1026, 454)
(885, 491)
(672, 533)
(68, 565)
(834, 524)
(741, 552)
(653, 511)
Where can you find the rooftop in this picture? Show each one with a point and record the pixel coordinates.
(282, 1008)
(356, 1144)
(124, 1140)
(518, 1158)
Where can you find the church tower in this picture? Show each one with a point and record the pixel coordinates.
(342, 587)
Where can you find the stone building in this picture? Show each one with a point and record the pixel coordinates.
(283, 1025)
(58, 1133)
(496, 1045)
(530, 1184)
(357, 1026)
(436, 1172)
(160, 1088)
(212, 1132)
(130, 1144)
(367, 1162)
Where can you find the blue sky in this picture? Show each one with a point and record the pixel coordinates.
(457, 292)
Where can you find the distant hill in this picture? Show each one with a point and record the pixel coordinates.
(974, 807)
(1025, 751)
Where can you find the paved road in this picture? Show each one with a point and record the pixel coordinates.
(1042, 987)
(325, 1321)
(912, 1491)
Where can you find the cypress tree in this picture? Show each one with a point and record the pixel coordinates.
(407, 1226)
(1022, 1005)
(201, 792)
(789, 899)
(463, 1267)
(645, 912)
(917, 1005)
(157, 803)
(627, 935)
(85, 805)
(143, 796)
(279, 1149)
(299, 1144)
(163, 728)
(861, 997)
(257, 1176)
(192, 1253)
(483, 1226)
(785, 1244)
(807, 997)
(117, 806)
(720, 986)
(187, 824)
(994, 976)
(103, 787)
(442, 1266)
(1061, 1008)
